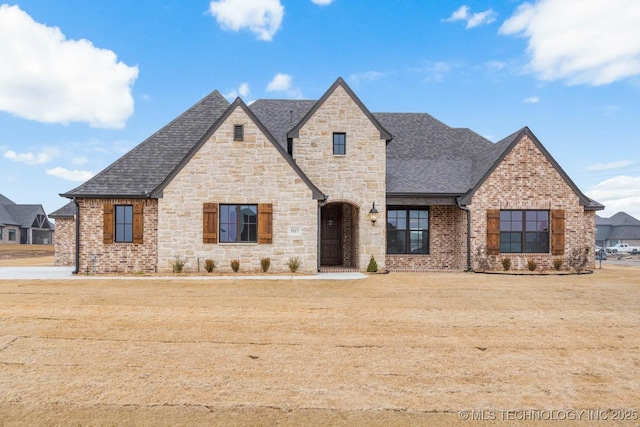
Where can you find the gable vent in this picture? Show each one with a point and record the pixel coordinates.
(238, 132)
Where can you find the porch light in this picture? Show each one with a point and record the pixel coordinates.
(373, 214)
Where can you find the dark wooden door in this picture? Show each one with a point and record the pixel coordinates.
(330, 237)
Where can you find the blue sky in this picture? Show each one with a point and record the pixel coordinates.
(83, 82)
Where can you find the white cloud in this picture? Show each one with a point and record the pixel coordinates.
(242, 90)
(435, 71)
(44, 156)
(609, 166)
(81, 160)
(262, 17)
(54, 80)
(588, 42)
(621, 193)
(531, 100)
(283, 83)
(367, 76)
(322, 2)
(472, 19)
(70, 175)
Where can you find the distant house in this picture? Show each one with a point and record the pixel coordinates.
(65, 244)
(620, 228)
(24, 224)
(330, 183)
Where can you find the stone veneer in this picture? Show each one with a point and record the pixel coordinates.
(65, 242)
(447, 244)
(358, 177)
(526, 180)
(5, 235)
(225, 171)
(116, 257)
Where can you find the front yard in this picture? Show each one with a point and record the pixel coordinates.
(397, 349)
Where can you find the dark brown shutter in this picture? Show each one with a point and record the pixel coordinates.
(557, 232)
(493, 231)
(210, 223)
(138, 221)
(107, 221)
(265, 223)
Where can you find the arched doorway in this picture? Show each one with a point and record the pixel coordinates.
(339, 235)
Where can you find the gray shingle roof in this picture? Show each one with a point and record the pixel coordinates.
(620, 218)
(146, 166)
(5, 201)
(280, 115)
(67, 211)
(22, 215)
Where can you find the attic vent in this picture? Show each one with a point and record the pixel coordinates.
(238, 132)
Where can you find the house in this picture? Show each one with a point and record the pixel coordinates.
(65, 243)
(332, 184)
(620, 228)
(24, 224)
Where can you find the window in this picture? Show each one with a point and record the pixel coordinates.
(340, 143)
(12, 235)
(239, 223)
(238, 132)
(0, 233)
(124, 223)
(408, 231)
(524, 231)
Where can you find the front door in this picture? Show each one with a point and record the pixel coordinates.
(331, 232)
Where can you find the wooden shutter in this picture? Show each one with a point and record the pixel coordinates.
(138, 221)
(493, 231)
(107, 221)
(265, 223)
(210, 223)
(557, 232)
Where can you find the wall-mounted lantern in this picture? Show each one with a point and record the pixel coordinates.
(373, 214)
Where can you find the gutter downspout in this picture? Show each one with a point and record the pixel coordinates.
(468, 211)
(320, 206)
(77, 237)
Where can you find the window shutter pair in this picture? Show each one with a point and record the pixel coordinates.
(138, 224)
(210, 223)
(493, 232)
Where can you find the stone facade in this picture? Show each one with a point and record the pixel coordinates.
(357, 177)
(525, 179)
(226, 171)
(6, 229)
(65, 242)
(98, 257)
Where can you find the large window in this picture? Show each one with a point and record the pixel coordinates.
(12, 235)
(524, 231)
(340, 143)
(239, 223)
(124, 223)
(407, 231)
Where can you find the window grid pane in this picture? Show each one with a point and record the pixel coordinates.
(407, 231)
(524, 231)
(124, 223)
(238, 223)
(339, 143)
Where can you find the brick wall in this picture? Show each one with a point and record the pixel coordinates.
(526, 180)
(116, 257)
(65, 242)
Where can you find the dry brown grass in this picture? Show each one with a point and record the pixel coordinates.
(397, 349)
(26, 255)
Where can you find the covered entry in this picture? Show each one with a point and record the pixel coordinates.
(339, 235)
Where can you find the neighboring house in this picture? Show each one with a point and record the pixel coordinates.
(24, 224)
(297, 178)
(620, 228)
(65, 244)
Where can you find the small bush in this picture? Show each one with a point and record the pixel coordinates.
(235, 265)
(265, 263)
(209, 265)
(531, 265)
(373, 265)
(294, 264)
(178, 264)
(578, 259)
(557, 264)
(506, 264)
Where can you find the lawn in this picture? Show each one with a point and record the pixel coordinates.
(396, 349)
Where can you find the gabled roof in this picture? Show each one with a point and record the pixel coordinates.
(146, 166)
(67, 211)
(238, 103)
(5, 201)
(619, 219)
(486, 162)
(384, 134)
(281, 115)
(22, 215)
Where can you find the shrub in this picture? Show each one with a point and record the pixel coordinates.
(265, 263)
(235, 265)
(506, 264)
(557, 264)
(531, 265)
(578, 259)
(294, 264)
(209, 265)
(178, 264)
(373, 265)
